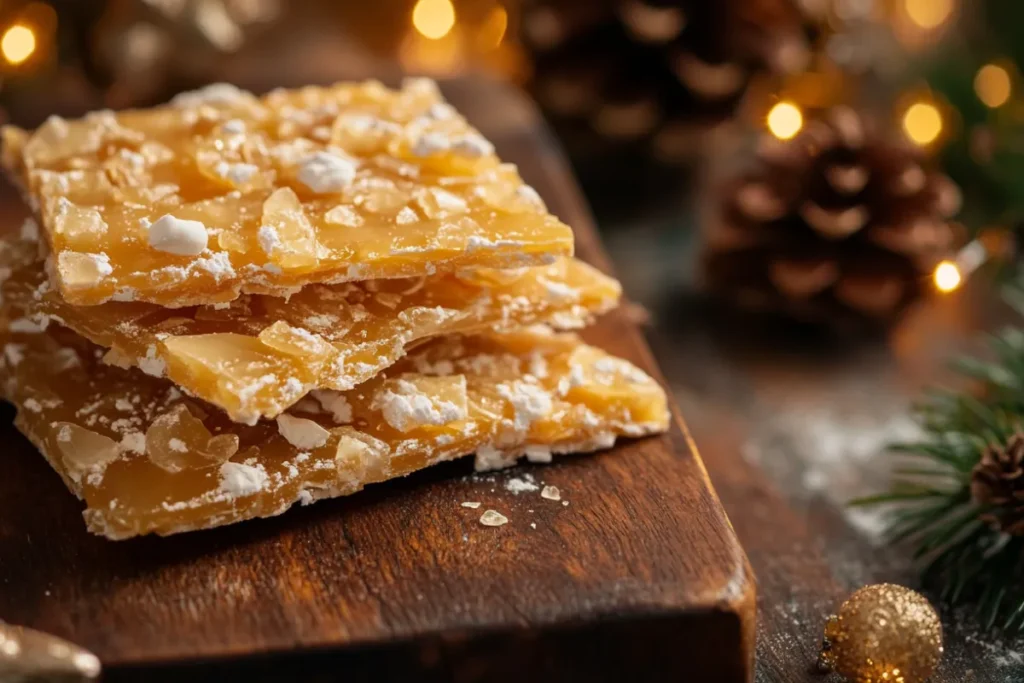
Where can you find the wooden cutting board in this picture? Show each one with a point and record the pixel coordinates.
(639, 577)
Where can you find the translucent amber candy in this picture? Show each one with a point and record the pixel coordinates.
(146, 459)
(260, 354)
(220, 192)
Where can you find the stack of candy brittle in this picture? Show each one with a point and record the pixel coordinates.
(236, 303)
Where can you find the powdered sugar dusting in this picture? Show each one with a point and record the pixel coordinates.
(237, 479)
(404, 407)
(523, 484)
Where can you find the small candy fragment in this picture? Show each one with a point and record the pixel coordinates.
(550, 493)
(493, 518)
(302, 433)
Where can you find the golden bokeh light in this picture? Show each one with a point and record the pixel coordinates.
(922, 123)
(947, 276)
(993, 85)
(492, 32)
(785, 120)
(929, 14)
(433, 18)
(18, 43)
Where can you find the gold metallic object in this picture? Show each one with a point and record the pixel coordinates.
(883, 634)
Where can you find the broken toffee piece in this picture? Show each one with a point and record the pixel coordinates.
(220, 193)
(258, 355)
(146, 459)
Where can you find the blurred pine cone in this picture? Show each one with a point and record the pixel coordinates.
(838, 224)
(654, 72)
(998, 481)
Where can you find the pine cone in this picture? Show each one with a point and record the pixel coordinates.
(836, 224)
(654, 72)
(998, 481)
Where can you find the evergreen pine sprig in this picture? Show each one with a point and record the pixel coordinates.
(958, 542)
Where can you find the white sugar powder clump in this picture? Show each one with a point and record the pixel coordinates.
(325, 172)
(237, 479)
(215, 93)
(134, 442)
(234, 126)
(430, 143)
(218, 264)
(530, 402)
(517, 485)
(404, 407)
(151, 364)
(238, 174)
(268, 238)
(334, 403)
(472, 145)
(178, 236)
(560, 292)
(488, 458)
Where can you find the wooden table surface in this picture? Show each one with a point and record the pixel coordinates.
(638, 577)
(792, 425)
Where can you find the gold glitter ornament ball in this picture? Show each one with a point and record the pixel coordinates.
(884, 634)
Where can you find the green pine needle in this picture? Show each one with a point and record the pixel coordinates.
(960, 553)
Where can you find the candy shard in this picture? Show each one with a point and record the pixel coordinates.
(178, 440)
(258, 355)
(302, 433)
(80, 271)
(357, 181)
(83, 452)
(197, 469)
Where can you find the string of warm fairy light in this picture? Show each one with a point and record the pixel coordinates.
(923, 123)
(434, 19)
(17, 44)
(994, 86)
(442, 41)
(785, 120)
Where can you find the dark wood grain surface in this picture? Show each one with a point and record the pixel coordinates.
(639, 577)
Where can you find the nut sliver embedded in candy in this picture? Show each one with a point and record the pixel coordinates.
(293, 244)
(201, 200)
(258, 355)
(196, 469)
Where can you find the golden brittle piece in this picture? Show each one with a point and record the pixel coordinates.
(220, 193)
(146, 459)
(260, 354)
